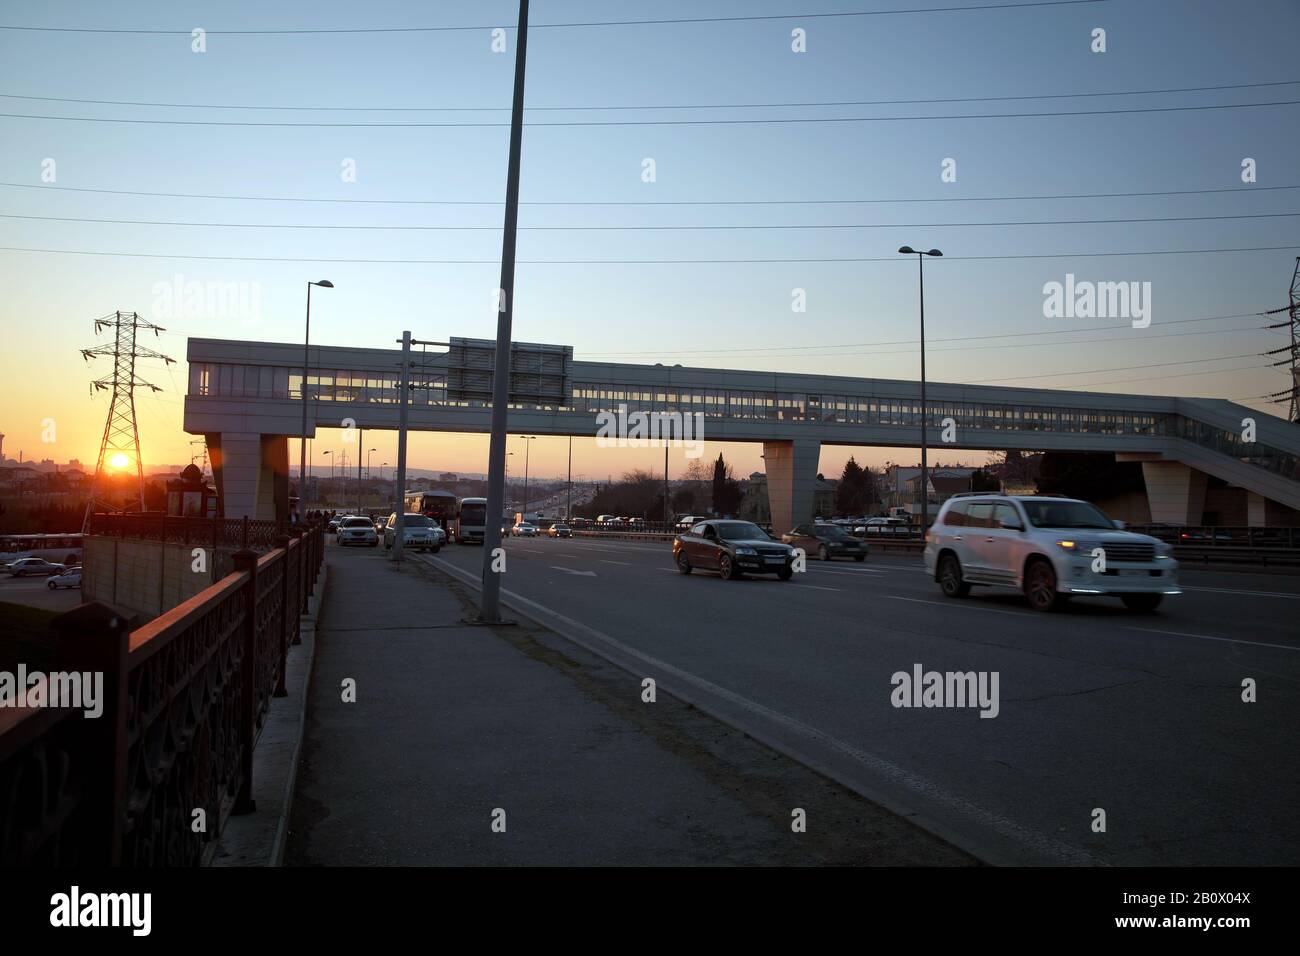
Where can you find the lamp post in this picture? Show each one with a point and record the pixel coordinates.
(925, 497)
(331, 465)
(382, 466)
(306, 342)
(527, 448)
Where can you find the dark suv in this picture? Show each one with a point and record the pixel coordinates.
(732, 548)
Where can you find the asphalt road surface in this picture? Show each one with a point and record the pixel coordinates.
(35, 592)
(1139, 717)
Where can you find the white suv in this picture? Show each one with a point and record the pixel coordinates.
(418, 533)
(1049, 548)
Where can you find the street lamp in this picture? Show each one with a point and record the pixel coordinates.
(368, 454)
(382, 466)
(925, 497)
(306, 340)
(527, 448)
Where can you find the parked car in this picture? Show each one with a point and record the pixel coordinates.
(1049, 548)
(524, 530)
(28, 566)
(71, 578)
(335, 523)
(560, 531)
(733, 549)
(419, 533)
(358, 531)
(826, 541)
(883, 526)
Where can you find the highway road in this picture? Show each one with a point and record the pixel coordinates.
(1100, 710)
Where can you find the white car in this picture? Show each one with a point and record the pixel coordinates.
(1049, 548)
(358, 531)
(70, 578)
(524, 530)
(419, 533)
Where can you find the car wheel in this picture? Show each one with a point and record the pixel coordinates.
(859, 557)
(823, 554)
(785, 574)
(727, 568)
(51, 585)
(1040, 587)
(1144, 603)
(683, 563)
(950, 581)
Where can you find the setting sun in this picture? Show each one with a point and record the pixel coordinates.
(119, 460)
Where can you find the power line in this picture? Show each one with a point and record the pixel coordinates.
(960, 338)
(665, 106)
(1122, 368)
(674, 228)
(572, 24)
(625, 262)
(665, 122)
(652, 202)
(1157, 378)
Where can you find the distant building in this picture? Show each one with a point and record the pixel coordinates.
(449, 477)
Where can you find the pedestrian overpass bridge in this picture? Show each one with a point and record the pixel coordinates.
(246, 398)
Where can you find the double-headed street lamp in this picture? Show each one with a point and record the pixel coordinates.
(302, 446)
(925, 496)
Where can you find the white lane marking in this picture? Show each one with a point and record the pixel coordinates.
(816, 588)
(953, 804)
(584, 574)
(1207, 637)
(989, 610)
(527, 550)
(626, 564)
(1273, 594)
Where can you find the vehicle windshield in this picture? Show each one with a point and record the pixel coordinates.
(740, 531)
(474, 513)
(1065, 514)
(417, 521)
(358, 523)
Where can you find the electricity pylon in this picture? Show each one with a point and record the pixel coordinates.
(121, 442)
(1292, 394)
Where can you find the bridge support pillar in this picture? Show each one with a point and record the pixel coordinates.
(791, 468)
(1175, 492)
(251, 472)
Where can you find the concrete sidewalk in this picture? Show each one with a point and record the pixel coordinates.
(453, 723)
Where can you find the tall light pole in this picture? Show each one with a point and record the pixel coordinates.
(368, 454)
(925, 496)
(568, 507)
(382, 466)
(527, 447)
(331, 463)
(306, 342)
(490, 608)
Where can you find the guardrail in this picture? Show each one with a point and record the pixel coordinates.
(184, 699)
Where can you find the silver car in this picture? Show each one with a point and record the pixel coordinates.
(1049, 548)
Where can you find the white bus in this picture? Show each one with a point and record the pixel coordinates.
(471, 522)
(58, 548)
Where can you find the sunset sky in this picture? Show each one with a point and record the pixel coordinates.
(984, 316)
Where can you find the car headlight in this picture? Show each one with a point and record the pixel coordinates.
(746, 551)
(1068, 545)
(1164, 552)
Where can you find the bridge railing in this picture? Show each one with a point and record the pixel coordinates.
(213, 532)
(152, 778)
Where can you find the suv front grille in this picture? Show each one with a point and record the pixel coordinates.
(1138, 552)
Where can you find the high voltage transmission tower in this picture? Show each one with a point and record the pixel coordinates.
(1291, 395)
(121, 443)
